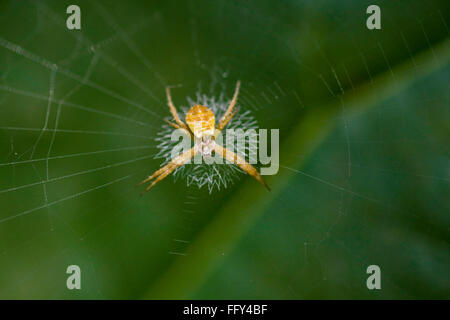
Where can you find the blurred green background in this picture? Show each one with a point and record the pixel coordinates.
(364, 157)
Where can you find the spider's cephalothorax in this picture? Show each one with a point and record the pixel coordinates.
(201, 127)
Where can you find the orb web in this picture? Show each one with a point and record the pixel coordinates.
(67, 183)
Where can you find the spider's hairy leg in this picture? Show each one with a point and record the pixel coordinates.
(244, 165)
(176, 126)
(229, 114)
(225, 121)
(168, 169)
(174, 111)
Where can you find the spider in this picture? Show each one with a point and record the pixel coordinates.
(200, 126)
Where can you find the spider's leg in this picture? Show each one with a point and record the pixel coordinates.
(229, 113)
(244, 165)
(225, 121)
(176, 126)
(174, 111)
(157, 173)
(169, 168)
(164, 174)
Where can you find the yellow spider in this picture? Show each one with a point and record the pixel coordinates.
(201, 125)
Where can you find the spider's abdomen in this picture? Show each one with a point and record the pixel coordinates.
(201, 121)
